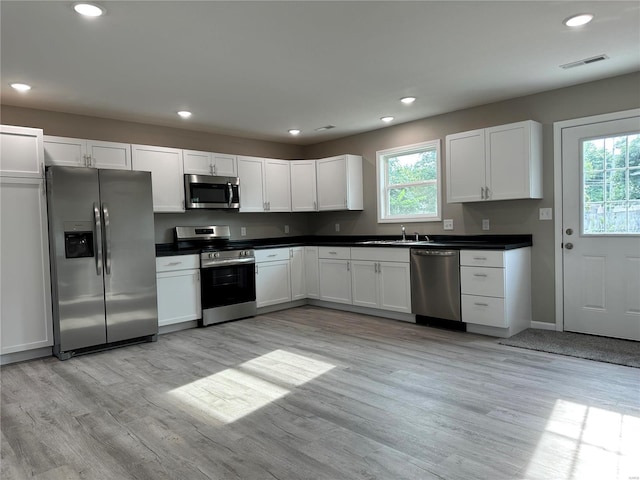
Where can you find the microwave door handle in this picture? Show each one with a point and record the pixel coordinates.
(230, 193)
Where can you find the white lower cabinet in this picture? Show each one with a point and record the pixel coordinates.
(178, 280)
(496, 289)
(297, 273)
(273, 277)
(335, 274)
(381, 278)
(311, 272)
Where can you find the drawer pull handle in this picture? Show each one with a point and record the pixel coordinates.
(481, 304)
(173, 264)
(273, 255)
(479, 258)
(479, 274)
(333, 253)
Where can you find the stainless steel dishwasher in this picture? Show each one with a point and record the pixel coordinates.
(435, 283)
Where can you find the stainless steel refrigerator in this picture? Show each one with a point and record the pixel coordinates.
(102, 258)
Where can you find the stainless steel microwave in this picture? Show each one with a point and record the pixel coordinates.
(205, 191)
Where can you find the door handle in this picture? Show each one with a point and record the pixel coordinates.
(569, 231)
(107, 240)
(97, 240)
(568, 246)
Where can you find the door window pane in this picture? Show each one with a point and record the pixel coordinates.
(611, 185)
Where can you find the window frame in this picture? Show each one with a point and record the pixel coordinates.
(382, 186)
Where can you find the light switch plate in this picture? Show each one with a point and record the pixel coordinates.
(243, 231)
(286, 229)
(448, 224)
(337, 227)
(546, 214)
(485, 224)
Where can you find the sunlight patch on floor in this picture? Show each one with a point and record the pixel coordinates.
(583, 443)
(235, 392)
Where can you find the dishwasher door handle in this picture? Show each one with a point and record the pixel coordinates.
(434, 253)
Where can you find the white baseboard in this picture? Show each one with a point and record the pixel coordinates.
(543, 325)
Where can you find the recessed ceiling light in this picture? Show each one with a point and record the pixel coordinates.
(295, 131)
(408, 100)
(88, 9)
(578, 20)
(21, 87)
(184, 113)
(387, 119)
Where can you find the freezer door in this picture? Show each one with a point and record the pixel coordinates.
(129, 254)
(76, 267)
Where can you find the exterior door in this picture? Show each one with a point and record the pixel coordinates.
(601, 227)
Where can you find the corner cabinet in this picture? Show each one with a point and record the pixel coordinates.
(25, 285)
(77, 152)
(167, 175)
(497, 163)
(339, 183)
(304, 197)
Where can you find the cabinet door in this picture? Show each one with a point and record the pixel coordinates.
(335, 280)
(332, 183)
(311, 272)
(512, 162)
(165, 165)
(66, 152)
(21, 153)
(25, 286)
(297, 264)
(395, 286)
(197, 163)
(272, 283)
(112, 155)
(251, 173)
(364, 283)
(277, 185)
(303, 186)
(178, 296)
(465, 159)
(224, 165)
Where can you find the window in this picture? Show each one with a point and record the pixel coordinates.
(409, 183)
(611, 185)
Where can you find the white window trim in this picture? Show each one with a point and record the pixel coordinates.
(381, 183)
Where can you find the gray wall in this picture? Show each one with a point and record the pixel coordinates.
(518, 216)
(515, 216)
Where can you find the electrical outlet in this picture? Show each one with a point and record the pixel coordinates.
(485, 224)
(286, 229)
(448, 224)
(546, 214)
(243, 231)
(337, 227)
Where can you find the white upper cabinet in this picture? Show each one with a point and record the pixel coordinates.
(265, 185)
(21, 152)
(167, 175)
(304, 197)
(77, 152)
(339, 183)
(497, 163)
(209, 163)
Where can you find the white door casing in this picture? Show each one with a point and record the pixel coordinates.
(597, 275)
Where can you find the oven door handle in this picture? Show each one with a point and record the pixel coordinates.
(225, 263)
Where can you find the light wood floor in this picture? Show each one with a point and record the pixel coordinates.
(312, 393)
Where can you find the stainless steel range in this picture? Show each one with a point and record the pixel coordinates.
(227, 274)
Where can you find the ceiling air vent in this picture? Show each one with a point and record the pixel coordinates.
(326, 127)
(584, 61)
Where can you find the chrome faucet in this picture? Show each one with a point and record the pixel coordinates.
(426, 237)
(404, 237)
(417, 236)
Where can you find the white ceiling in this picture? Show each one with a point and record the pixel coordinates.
(257, 69)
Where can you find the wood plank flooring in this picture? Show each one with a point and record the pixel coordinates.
(312, 393)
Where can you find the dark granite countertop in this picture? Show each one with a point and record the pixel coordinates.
(456, 242)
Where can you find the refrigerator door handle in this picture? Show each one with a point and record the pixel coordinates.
(97, 239)
(107, 240)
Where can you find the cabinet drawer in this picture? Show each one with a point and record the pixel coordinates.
(482, 281)
(487, 311)
(380, 254)
(342, 253)
(177, 262)
(482, 258)
(272, 254)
